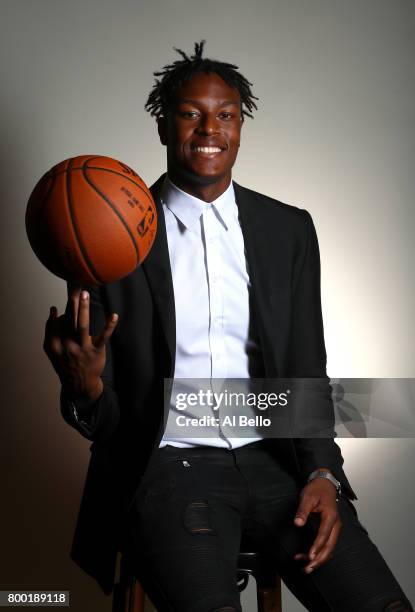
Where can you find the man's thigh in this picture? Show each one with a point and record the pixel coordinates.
(185, 541)
(355, 578)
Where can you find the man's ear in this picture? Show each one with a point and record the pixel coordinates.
(162, 129)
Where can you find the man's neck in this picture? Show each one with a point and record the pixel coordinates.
(206, 192)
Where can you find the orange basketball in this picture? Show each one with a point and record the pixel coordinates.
(91, 220)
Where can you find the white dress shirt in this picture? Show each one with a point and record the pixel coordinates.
(214, 332)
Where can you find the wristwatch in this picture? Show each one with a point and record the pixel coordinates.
(329, 476)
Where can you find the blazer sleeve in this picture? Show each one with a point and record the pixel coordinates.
(96, 421)
(307, 359)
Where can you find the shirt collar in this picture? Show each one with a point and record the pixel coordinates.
(188, 209)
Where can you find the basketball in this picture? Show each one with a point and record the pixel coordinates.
(91, 220)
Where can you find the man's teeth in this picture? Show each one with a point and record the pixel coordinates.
(207, 149)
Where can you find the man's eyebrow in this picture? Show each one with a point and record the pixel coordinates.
(189, 101)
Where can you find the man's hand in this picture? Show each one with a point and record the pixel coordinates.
(77, 357)
(319, 497)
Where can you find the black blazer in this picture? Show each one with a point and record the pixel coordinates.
(126, 423)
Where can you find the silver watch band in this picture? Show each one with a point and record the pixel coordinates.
(329, 476)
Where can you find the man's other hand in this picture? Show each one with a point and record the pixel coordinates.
(318, 497)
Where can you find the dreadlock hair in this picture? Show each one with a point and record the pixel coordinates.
(176, 74)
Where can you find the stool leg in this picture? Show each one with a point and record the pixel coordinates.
(269, 598)
(134, 597)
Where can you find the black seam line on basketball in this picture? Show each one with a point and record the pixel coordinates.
(124, 176)
(75, 227)
(113, 172)
(104, 197)
(108, 170)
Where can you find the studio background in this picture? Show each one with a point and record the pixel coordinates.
(334, 134)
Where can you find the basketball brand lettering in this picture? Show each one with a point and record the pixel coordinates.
(128, 170)
(132, 201)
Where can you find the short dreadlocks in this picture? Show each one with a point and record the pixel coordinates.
(175, 74)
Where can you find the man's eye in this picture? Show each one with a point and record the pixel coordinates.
(226, 115)
(189, 114)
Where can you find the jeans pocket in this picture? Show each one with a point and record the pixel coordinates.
(167, 478)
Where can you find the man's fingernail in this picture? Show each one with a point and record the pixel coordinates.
(299, 519)
(312, 555)
(310, 569)
(84, 295)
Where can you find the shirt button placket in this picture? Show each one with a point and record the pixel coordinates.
(216, 295)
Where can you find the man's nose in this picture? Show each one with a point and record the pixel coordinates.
(207, 125)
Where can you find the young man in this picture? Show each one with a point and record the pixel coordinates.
(229, 290)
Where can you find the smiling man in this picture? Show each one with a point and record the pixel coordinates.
(202, 133)
(230, 290)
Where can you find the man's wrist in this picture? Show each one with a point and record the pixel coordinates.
(96, 391)
(328, 475)
(87, 398)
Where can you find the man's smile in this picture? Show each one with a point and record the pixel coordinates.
(208, 150)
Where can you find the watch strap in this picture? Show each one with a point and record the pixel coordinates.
(329, 476)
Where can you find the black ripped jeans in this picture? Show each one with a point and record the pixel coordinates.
(185, 532)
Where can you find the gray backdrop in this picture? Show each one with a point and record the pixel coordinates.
(334, 134)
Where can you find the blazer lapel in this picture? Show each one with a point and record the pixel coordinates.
(261, 259)
(157, 269)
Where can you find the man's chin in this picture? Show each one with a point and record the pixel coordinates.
(202, 177)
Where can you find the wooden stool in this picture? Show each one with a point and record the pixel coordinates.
(129, 595)
(268, 582)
